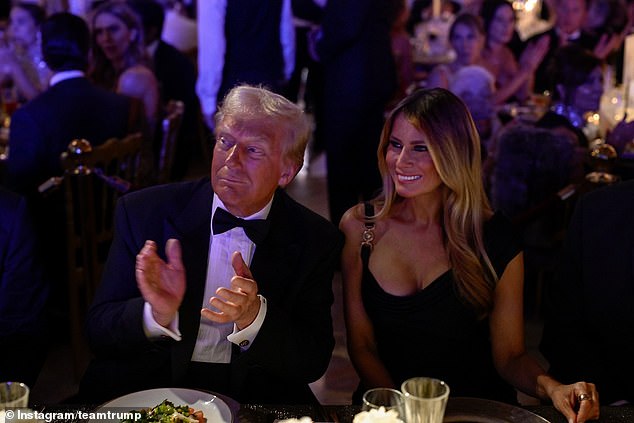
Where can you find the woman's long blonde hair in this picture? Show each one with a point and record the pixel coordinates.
(102, 71)
(454, 145)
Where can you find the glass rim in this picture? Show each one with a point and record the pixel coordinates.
(440, 382)
(397, 394)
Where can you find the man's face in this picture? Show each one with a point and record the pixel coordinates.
(570, 15)
(248, 166)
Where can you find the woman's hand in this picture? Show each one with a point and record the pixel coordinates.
(578, 402)
(534, 53)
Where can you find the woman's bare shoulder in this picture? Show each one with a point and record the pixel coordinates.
(352, 222)
(137, 75)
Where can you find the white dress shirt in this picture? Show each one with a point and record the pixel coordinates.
(213, 344)
(212, 46)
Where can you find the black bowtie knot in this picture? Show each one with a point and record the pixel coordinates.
(256, 229)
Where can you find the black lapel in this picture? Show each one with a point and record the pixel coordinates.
(272, 265)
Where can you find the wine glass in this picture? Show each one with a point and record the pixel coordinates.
(386, 398)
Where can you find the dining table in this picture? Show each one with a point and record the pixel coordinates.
(344, 413)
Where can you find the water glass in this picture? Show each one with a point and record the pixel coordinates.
(425, 399)
(13, 395)
(389, 399)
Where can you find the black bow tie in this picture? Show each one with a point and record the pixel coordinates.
(256, 229)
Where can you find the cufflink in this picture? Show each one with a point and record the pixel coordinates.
(244, 343)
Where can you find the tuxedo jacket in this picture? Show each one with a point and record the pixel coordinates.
(42, 129)
(293, 268)
(589, 324)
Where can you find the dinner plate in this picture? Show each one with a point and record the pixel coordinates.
(214, 409)
(476, 410)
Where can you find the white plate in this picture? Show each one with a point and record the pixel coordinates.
(214, 409)
(476, 410)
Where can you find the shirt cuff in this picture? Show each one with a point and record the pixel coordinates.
(153, 330)
(244, 338)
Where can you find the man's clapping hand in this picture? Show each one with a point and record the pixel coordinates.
(161, 284)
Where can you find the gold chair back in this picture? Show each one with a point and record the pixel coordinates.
(170, 128)
(94, 178)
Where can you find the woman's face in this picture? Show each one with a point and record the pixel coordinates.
(113, 36)
(502, 25)
(409, 162)
(588, 95)
(467, 42)
(22, 28)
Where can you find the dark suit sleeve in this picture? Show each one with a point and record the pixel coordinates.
(23, 291)
(296, 339)
(564, 339)
(23, 294)
(115, 319)
(27, 155)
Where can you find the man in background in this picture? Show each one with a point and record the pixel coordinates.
(251, 41)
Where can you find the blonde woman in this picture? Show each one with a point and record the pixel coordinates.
(433, 278)
(120, 62)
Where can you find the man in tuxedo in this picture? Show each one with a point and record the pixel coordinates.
(568, 29)
(264, 286)
(71, 108)
(589, 320)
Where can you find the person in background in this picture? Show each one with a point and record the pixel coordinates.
(429, 262)
(264, 286)
(355, 48)
(249, 42)
(466, 36)
(21, 64)
(401, 49)
(119, 60)
(176, 75)
(576, 77)
(593, 294)
(513, 80)
(476, 88)
(23, 294)
(71, 108)
(568, 29)
(307, 81)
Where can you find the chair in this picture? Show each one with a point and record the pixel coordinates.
(94, 178)
(170, 128)
(532, 185)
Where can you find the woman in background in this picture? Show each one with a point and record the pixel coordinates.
(120, 62)
(21, 64)
(466, 36)
(512, 79)
(433, 278)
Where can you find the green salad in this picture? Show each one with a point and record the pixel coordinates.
(167, 412)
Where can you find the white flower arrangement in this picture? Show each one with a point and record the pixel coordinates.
(380, 415)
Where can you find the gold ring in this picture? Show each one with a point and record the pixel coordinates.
(584, 397)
